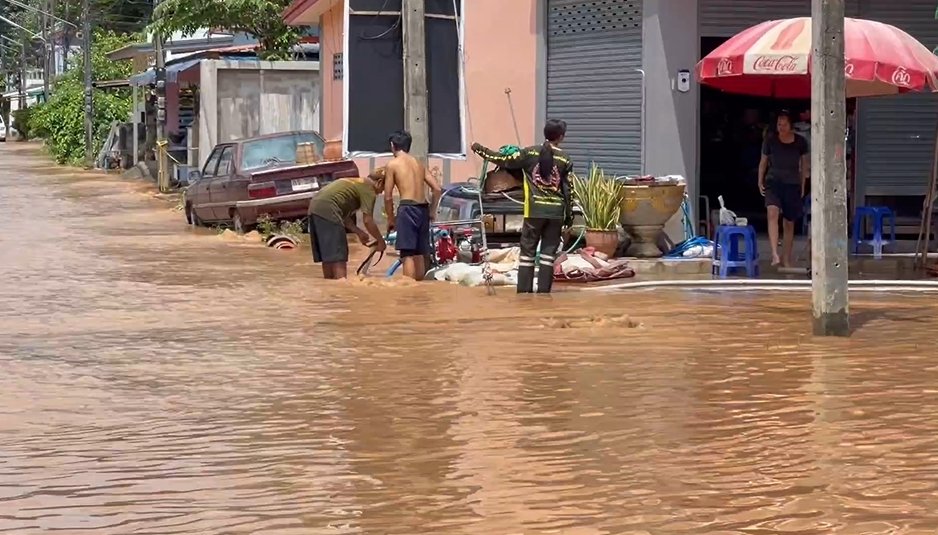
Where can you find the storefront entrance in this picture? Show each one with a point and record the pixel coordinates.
(732, 128)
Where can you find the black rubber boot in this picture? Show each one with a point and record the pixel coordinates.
(526, 279)
(545, 279)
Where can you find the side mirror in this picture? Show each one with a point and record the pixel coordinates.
(195, 176)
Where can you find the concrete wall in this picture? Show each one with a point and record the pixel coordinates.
(671, 44)
(501, 42)
(242, 99)
(331, 42)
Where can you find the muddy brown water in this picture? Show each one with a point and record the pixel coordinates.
(160, 380)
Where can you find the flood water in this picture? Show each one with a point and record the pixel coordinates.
(160, 380)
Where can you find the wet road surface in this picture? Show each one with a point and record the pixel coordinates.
(160, 380)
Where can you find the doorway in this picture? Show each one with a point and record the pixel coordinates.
(732, 128)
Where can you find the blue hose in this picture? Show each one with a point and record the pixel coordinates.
(687, 245)
(392, 237)
(689, 227)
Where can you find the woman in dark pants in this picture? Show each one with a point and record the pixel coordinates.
(783, 178)
(547, 207)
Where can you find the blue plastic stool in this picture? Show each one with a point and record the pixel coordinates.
(726, 253)
(876, 214)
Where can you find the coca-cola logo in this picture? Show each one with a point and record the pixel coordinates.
(775, 64)
(849, 69)
(725, 67)
(901, 77)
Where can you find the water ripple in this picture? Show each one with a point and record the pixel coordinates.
(160, 380)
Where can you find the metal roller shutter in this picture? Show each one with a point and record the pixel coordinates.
(726, 18)
(594, 51)
(896, 135)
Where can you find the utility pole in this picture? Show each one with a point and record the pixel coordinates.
(829, 247)
(67, 42)
(89, 98)
(52, 33)
(22, 97)
(161, 144)
(44, 25)
(413, 13)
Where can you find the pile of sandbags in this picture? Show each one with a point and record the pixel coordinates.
(502, 262)
(586, 265)
(473, 275)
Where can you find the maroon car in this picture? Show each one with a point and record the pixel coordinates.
(247, 179)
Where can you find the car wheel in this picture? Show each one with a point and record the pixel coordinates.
(191, 217)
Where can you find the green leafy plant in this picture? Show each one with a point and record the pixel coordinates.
(267, 228)
(60, 121)
(22, 121)
(598, 196)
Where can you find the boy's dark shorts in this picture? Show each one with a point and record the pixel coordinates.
(413, 229)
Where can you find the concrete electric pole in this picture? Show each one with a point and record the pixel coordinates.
(161, 142)
(413, 13)
(22, 97)
(829, 245)
(89, 98)
(44, 25)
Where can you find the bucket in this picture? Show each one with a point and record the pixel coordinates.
(333, 150)
(306, 154)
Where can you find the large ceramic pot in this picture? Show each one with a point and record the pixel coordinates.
(645, 211)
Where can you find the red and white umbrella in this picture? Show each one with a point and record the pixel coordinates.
(773, 59)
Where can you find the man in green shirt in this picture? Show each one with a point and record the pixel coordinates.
(331, 215)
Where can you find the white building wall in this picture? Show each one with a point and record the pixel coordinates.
(241, 99)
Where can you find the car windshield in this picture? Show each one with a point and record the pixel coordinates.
(280, 150)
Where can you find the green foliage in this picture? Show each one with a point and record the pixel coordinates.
(23, 123)
(599, 197)
(260, 18)
(268, 227)
(61, 120)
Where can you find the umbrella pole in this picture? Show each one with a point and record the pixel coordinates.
(924, 233)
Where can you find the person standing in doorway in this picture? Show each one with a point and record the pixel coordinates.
(547, 203)
(414, 214)
(783, 177)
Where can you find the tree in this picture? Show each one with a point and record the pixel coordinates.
(114, 16)
(61, 120)
(260, 18)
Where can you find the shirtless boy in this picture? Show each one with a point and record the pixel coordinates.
(414, 214)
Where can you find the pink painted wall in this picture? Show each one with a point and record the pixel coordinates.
(501, 52)
(331, 40)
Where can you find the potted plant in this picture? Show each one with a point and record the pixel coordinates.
(599, 198)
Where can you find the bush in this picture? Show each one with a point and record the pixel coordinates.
(61, 120)
(22, 122)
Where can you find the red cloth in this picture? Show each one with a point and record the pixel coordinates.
(611, 270)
